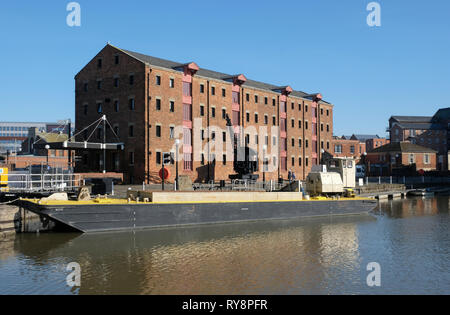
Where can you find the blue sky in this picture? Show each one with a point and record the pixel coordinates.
(326, 46)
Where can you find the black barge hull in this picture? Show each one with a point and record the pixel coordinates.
(116, 217)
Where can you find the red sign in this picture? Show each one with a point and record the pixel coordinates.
(166, 174)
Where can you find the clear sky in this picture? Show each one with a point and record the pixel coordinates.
(326, 46)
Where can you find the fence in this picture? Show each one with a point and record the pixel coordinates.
(36, 183)
(242, 185)
(406, 180)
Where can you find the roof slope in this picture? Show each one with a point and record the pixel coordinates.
(405, 147)
(412, 119)
(163, 63)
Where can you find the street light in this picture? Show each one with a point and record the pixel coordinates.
(177, 143)
(47, 147)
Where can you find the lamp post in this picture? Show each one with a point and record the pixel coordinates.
(47, 147)
(264, 165)
(177, 143)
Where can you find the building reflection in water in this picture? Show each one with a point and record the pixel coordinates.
(318, 256)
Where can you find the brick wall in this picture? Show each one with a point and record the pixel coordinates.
(153, 112)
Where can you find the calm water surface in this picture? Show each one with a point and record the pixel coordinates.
(410, 239)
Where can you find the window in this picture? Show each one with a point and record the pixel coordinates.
(202, 88)
(99, 63)
(187, 89)
(172, 83)
(86, 87)
(300, 143)
(235, 97)
(213, 136)
(224, 93)
(213, 112)
(158, 158)
(187, 162)
(85, 109)
(328, 128)
(202, 110)
(187, 112)
(224, 159)
(306, 143)
(224, 137)
(321, 111)
(256, 99)
(321, 127)
(224, 113)
(306, 125)
(158, 104)
(293, 142)
(266, 119)
(158, 131)
(131, 158)
(203, 134)
(300, 161)
(306, 108)
(247, 97)
(203, 159)
(99, 84)
(337, 148)
(131, 79)
(99, 108)
(293, 161)
(247, 117)
(158, 80)
(116, 59)
(266, 100)
(292, 106)
(293, 123)
(274, 102)
(352, 149)
(299, 107)
(412, 159)
(426, 159)
(213, 90)
(131, 104)
(256, 118)
(172, 106)
(172, 132)
(299, 124)
(131, 131)
(256, 139)
(116, 82)
(274, 120)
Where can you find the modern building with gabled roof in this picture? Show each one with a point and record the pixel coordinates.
(151, 102)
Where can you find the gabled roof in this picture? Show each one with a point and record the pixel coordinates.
(412, 119)
(404, 147)
(364, 138)
(172, 65)
(442, 115)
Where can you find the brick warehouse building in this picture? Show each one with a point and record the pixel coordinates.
(150, 102)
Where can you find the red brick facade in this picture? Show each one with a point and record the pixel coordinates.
(153, 99)
(348, 148)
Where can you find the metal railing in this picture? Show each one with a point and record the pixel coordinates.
(241, 185)
(36, 183)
